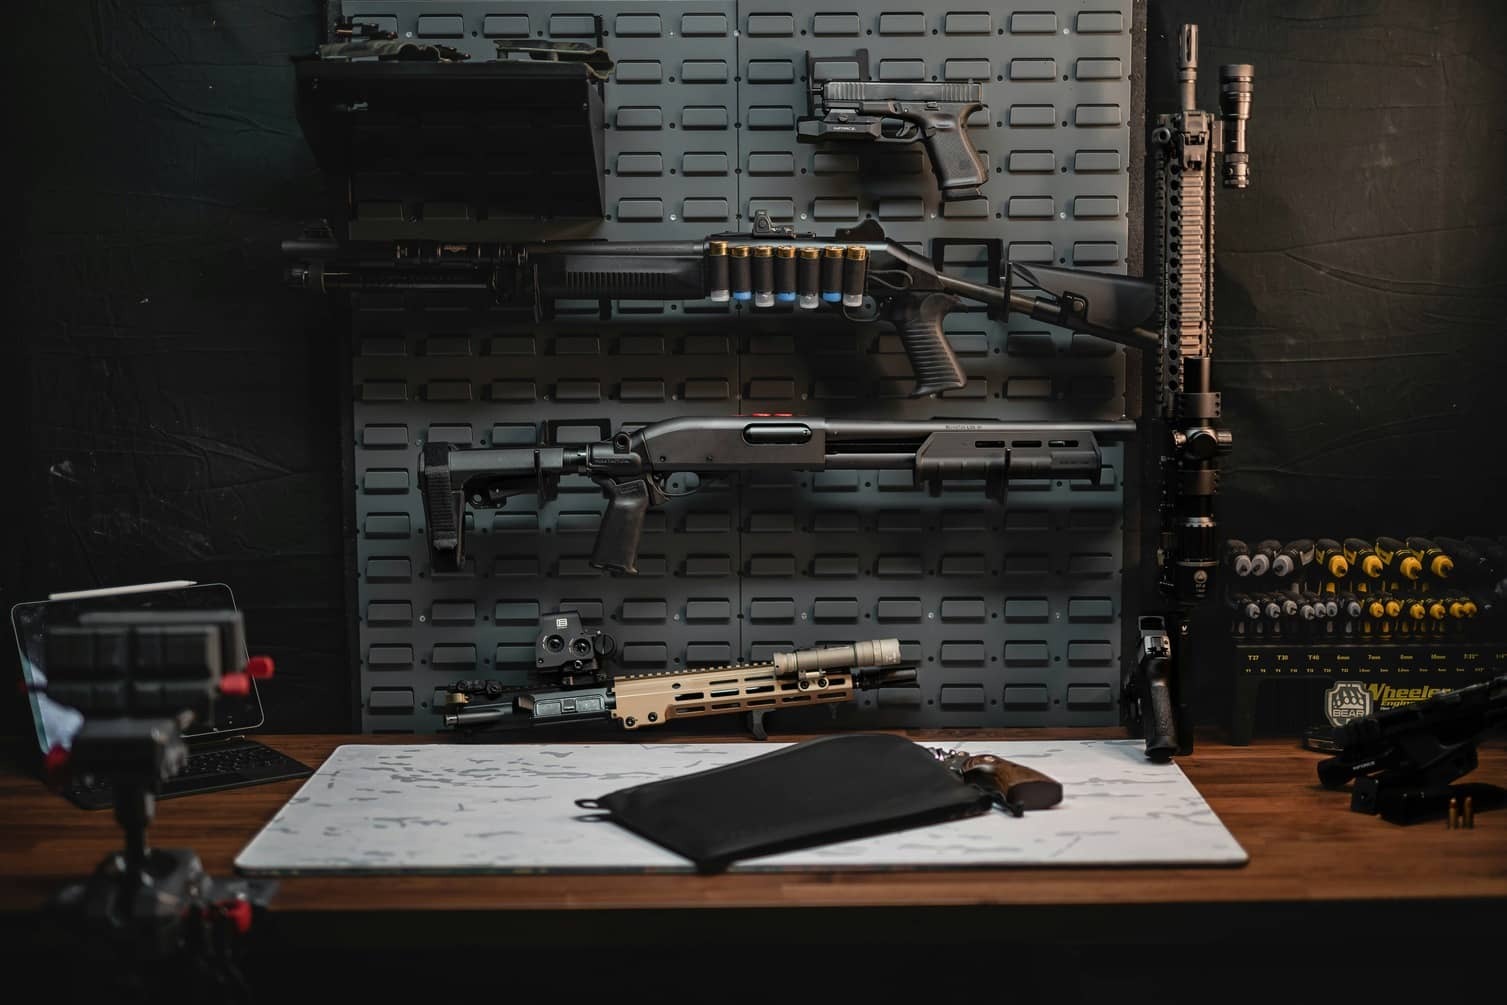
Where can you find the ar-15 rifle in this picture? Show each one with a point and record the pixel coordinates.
(1404, 760)
(1184, 146)
(632, 468)
(768, 267)
(587, 692)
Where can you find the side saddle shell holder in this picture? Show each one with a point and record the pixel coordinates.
(835, 788)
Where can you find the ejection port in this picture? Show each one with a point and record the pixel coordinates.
(776, 432)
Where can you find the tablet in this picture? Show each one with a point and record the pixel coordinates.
(56, 724)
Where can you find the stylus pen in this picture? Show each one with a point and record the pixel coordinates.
(117, 591)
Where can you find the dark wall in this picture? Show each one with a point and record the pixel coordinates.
(1362, 280)
(179, 409)
(179, 412)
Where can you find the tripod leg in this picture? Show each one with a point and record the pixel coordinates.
(135, 805)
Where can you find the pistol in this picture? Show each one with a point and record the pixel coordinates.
(882, 111)
(1014, 787)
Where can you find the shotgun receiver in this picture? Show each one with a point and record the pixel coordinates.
(632, 468)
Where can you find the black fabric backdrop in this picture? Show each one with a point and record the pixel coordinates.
(177, 412)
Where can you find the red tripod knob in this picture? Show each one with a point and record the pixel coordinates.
(55, 766)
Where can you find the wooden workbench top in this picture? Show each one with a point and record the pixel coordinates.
(1305, 845)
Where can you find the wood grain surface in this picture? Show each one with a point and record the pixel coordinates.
(1305, 846)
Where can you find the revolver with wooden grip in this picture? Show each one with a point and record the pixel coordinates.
(1015, 787)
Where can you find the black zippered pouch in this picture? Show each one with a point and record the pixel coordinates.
(835, 788)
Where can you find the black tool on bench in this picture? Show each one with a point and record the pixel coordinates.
(1405, 761)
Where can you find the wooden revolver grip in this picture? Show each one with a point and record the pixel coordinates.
(1019, 785)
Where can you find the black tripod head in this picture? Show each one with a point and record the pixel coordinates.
(140, 678)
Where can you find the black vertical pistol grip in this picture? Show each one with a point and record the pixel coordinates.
(918, 320)
(958, 166)
(616, 548)
(1158, 717)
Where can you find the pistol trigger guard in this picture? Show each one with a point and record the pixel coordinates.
(908, 132)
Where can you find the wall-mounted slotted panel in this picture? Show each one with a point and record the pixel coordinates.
(1011, 611)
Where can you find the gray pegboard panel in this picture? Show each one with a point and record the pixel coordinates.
(1013, 612)
(833, 556)
(1056, 145)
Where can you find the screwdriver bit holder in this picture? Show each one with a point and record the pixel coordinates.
(1351, 625)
